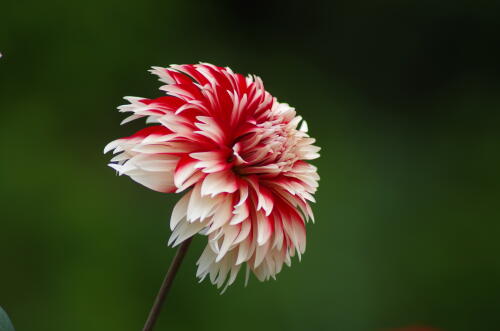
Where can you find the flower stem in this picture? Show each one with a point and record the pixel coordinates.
(166, 285)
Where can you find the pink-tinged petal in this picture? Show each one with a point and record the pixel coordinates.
(219, 182)
(185, 169)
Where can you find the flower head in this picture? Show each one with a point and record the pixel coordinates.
(240, 157)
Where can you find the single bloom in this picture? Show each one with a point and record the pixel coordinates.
(238, 155)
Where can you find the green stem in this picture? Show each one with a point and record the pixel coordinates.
(166, 285)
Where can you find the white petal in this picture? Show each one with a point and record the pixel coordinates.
(304, 127)
(179, 211)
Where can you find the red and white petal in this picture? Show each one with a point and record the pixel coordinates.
(240, 154)
(219, 182)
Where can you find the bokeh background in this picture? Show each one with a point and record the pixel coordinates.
(403, 97)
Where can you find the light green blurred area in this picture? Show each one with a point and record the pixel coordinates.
(402, 98)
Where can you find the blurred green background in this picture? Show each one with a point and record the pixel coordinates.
(403, 97)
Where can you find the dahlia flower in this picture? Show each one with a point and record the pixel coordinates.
(238, 155)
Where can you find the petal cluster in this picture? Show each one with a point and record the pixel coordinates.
(238, 155)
